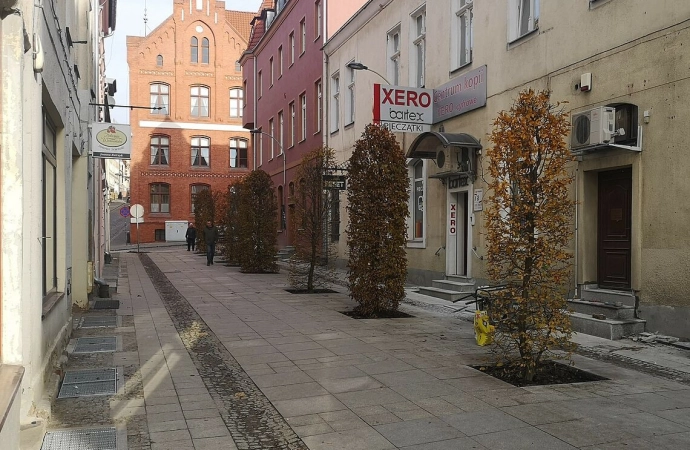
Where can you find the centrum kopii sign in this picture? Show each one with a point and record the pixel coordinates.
(460, 95)
(111, 140)
(401, 108)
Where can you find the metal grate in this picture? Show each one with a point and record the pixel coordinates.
(87, 439)
(87, 383)
(106, 304)
(98, 322)
(96, 344)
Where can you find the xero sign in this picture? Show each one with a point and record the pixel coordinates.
(401, 108)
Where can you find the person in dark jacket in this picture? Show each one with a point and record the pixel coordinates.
(191, 237)
(210, 237)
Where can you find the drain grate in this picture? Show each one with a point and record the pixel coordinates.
(98, 322)
(86, 439)
(106, 304)
(96, 344)
(87, 383)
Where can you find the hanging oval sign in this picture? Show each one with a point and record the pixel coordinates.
(111, 137)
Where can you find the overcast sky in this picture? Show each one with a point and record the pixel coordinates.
(130, 22)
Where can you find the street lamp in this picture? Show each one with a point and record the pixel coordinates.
(256, 131)
(359, 66)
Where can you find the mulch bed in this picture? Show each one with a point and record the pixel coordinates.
(315, 291)
(384, 315)
(550, 372)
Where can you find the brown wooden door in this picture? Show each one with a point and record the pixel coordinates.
(614, 224)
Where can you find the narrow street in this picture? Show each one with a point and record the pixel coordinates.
(210, 358)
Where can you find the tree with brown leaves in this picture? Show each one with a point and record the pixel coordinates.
(377, 195)
(258, 224)
(529, 229)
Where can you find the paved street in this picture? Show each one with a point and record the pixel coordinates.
(216, 359)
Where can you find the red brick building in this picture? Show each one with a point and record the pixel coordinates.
(192, 138)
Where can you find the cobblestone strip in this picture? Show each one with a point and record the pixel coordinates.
(250, 417)
(635, 364)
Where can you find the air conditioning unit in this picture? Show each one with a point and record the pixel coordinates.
(593, 127)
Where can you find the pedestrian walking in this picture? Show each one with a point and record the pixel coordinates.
(210, 237)
(190, 235)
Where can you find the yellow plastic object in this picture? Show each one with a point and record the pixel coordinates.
(483, 331)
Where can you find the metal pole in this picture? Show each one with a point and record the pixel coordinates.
(137, 219)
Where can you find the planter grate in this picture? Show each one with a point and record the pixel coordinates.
(106, 304)
(88, 439)
(96, 344)
(87, 383)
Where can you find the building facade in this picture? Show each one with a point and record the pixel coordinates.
(50, 70)
(614, 63)
(191, 138)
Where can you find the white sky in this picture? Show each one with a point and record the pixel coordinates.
(130, 22)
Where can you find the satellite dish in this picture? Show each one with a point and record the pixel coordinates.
(440, 158)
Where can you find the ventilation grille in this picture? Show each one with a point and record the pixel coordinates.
(89, 439)
(96, 344)
(98, 322)
(88, 383)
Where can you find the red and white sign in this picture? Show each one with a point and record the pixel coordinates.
(452, 219)
(402, 108)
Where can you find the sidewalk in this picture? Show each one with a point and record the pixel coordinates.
(227, 360)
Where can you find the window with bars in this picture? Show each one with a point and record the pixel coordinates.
(160, 98)
(201, 151)
(238, 153)
(160, 197)
(160, 150)
(236, 102)
(199, 101)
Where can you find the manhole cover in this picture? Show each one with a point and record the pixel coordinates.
(98, 321)
(86, 383)
(96, 344)
(106, 304)
(88, 439)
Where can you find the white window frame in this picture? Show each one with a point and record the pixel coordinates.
(260, 82)
(271, 130)
(281, 129)
(412, 241)
(319, 18)
(292, 47)
(335, 103)
(519, 25)
(270, 64)
(280, 61)
(462, 33)
(303, 115)
(236, 102)
(418, 48)
(303, 33)
(319, 106)
(350, 95)
(393, 50)
(292, 124)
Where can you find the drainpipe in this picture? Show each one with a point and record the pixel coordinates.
(256, 106)
(577, 227)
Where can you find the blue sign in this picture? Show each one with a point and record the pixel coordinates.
(124, 211)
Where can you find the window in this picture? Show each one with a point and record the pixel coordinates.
(394, 55)
(523, 18)
(201, 151)
(350, 115)
(271, 130)
(319, 18)
(238, 153)
(292, 48)
(280, 61)
(335, 104)
(160, 198)
(292, 124)
(194, 190)
(159, 235)
(318, 94)
(194, 50)
(200, 99)
(260, 82)
(462, 33)
(160, 150)
(418, 198)
(303, 37)
(270, 64)
(49, 192)
(204, 51)
(334, 215)
(281, 126)
(236, 102)
(160, 98)
(419, 47)
(303, 115)
(238, 66)
(159, 60)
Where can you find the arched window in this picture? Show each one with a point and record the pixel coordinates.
(199, 101)
(159, 60)
(160, 197)
(160, 150)
(195, 50)
(418, 198)
(238, 153)
(236, 102)
(204, 51)
(194, 190)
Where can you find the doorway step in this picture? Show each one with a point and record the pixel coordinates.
(605, 313)
(285, 253)
(452, 288)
